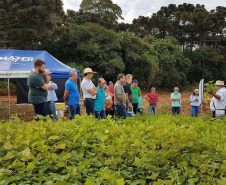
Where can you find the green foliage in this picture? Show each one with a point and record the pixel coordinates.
(163, 149)
(209, 87)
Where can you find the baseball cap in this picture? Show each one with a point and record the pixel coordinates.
(135, 81)
(110, 82)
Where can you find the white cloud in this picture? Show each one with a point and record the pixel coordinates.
(134, 8)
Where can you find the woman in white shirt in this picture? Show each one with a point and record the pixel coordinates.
(194, 99)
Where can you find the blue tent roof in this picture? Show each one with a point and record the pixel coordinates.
(18, 63)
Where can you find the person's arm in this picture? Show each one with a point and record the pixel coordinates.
(47, 87)
(119, 96)
(66, 96)
(55, 87)
(139, 92)
(147, 98)
(217, 96)
(192, 98)
(92, 91)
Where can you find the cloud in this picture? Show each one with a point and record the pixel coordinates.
(134, 8)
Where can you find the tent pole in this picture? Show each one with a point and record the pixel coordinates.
(9, 97)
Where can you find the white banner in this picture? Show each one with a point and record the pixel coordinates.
(201, 90)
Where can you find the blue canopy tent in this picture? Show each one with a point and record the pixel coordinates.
(17, 64)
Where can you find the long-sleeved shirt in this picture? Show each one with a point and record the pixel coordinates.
(51, 93)
(219, 104)
(193, 101)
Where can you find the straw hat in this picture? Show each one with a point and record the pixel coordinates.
(88, 70)
(176, 88)
(48, 71)
(196, 90)
(221, 83)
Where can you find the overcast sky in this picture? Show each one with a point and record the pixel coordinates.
(134, 8)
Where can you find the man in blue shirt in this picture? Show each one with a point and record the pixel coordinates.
(99, 107)
(72, 96)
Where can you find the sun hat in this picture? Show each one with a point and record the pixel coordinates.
(88, 70)
(153, 89)
(196, 90)
(221, 83)
(176, 88)
(48, 71)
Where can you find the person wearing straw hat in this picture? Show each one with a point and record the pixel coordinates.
(176, 101)
(194, 99)
(89, 91)
(218, 102)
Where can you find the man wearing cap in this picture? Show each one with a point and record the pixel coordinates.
(38, 88)
(218, 102)
(72, 96)
(176, 101)
(51, 98)
(120, 97)
(136, 93)
(89, 91)
(129, 95)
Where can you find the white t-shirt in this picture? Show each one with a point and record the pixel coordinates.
(86, 85)
(219, 104)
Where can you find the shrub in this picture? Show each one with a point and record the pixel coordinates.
(146, 150)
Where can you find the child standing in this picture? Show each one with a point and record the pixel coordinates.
(152, 98)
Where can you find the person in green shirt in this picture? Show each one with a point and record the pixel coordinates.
(136, 93)
(38, 88)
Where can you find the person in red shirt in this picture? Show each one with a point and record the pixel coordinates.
(111, 89)
(152, 98)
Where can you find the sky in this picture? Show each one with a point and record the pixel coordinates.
(134, 8)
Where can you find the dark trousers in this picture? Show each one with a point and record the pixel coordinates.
(135, 107)
(121, 111)
(74, 110)
(40, 109)
(89, 104)
(112, 112)
(175, 110)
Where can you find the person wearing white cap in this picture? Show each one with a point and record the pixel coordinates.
(194, 99)
(218, 102)
(89, 91)
(176, 101)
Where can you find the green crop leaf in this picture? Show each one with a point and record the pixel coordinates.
(89, 182)
(120, 181)
(8, 145)
(53, 137)
(26, 152)
(30, 166)
(154, 175)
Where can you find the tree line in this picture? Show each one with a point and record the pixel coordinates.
(177, 46)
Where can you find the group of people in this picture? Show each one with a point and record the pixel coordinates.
(122, 99)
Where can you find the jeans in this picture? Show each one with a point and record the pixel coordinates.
(135, 107)
(121, 111)
(194, 111)
(175, 110)
(40, 109)
(129, 114)
(89, 104)
(51, 106)
(100, 114)
(152, 108)
(74, 109)
(112, 112)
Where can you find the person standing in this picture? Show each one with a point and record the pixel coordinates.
(38, 88)
(218, 102)
(89, 91)
(72, 96)
(152, 98)
(136, 93)
(111, 89)
(99, 106)
(129, 95)
(120, 97)
(194, 99)
(51, 98)
(108, 102)
(176, 101)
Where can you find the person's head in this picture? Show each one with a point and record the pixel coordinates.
(73, 75)
(101, 82)
(219, 84)
(39, 65)
(88, 73)
(107, 89)
(48, 73)
(196, 92)
(153, 90)
(110, 84)
(176, 90)
(135, 83)
(121, 78)
(129, 78)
